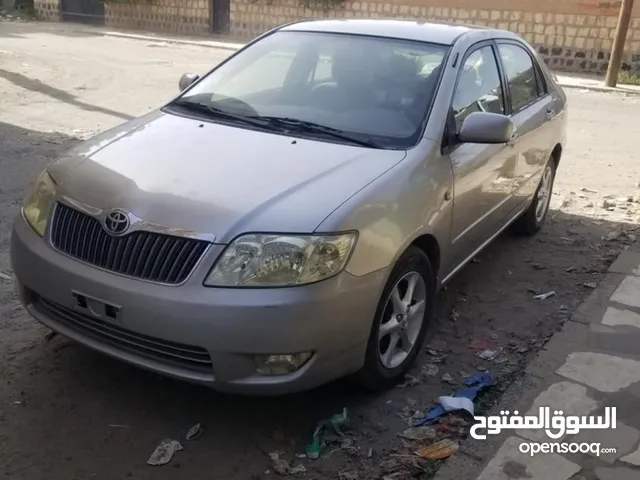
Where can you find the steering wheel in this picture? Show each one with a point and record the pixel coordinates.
(480, 106)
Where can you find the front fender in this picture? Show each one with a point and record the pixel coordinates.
(391, 213)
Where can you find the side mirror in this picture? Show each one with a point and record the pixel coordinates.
(187, 79)
(485, 127)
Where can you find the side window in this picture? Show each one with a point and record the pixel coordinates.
(521, 75)
(479, 88)
(542, 83)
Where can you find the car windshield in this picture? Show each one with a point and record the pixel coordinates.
(368, 89)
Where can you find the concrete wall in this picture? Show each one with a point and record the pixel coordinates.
(573, 35)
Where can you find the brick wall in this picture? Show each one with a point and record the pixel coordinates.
(573, 35)
(176, 16)
(47, 9)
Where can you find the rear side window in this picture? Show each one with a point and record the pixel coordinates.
(479, 88)
(521, 75)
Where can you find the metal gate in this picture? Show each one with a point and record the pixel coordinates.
(220, 11)
(83, 11)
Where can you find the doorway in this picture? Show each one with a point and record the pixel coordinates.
(220, 13)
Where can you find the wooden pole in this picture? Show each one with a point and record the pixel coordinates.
(617, 49)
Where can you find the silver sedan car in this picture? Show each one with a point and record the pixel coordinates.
(289, 217)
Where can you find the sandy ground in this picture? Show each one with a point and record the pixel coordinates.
(69, 413)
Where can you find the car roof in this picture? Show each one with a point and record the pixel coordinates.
(442, 33)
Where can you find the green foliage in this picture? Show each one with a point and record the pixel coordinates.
(629, 78)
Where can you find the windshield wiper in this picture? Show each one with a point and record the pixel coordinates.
(293, 124)
(216, 112)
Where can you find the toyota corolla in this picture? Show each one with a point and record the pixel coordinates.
(289, 217)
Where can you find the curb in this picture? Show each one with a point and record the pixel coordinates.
(475, 455)
(592, 88)
(178, 41)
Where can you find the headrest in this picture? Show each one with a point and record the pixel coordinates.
(402, 65)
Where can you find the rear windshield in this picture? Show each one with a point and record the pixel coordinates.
(372, 87)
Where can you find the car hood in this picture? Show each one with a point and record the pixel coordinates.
(214, 179)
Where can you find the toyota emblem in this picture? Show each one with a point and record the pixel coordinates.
(117, 222)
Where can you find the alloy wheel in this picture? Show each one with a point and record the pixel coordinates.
(402, 320)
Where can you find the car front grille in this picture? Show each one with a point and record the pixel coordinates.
(147, 255)
(179, 355)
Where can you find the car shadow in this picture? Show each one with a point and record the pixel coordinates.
(25, 27)
(71, 410)
(35, 85)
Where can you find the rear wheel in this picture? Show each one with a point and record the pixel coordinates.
(534, 217)
(401, 321)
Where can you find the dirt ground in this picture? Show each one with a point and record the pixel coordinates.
(69, 413)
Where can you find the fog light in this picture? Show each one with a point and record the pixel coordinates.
(280, 364)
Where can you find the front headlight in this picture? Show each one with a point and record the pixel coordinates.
(262, 260)
(37, 206)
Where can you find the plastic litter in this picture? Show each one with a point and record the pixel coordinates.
(480, 344)
(544, 296)
(474, 384)
(451, 404)
(282, 467)
(348, 475)
(489, 354)
(164, 452)
(279, 465)
(297, 469)
(438, 358)
(194, 432)
(409, 381)
(448, 379)
(336, 423)
(419, 433)
(430, 370)
(439, 450)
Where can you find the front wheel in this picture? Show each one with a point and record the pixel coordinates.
(401, 321)
(534, 217)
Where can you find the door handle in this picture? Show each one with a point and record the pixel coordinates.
(551, 113)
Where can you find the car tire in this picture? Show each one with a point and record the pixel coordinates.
(382, 370)
(534, 217)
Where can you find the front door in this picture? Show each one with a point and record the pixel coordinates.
(483, 173)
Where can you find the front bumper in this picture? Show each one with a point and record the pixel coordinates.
(204, 335)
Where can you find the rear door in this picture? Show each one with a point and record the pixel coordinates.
(531, 107)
